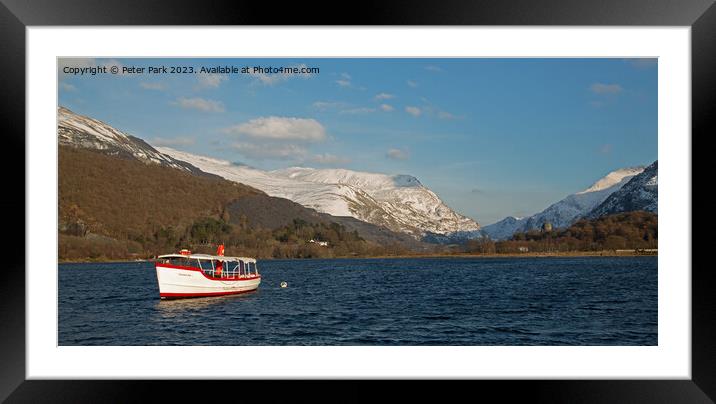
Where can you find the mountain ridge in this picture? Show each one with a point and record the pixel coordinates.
(640, 193)
(399, 202)
(77, 130)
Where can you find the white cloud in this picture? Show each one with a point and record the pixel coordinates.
(67, 87)
(446, 115)
(433, 111)
(345, 80)
(176, 141)
(386, 107)
(328, 158)
(260, 151)
(433, 68)
(429, 109)
(414, 111)
(326, 105)
(210, 80)
(341, 107)
(200, 104)
(384, 96)
(269, 79)
(281, 138)
(601, 88)
(152, 86)
(281, 128)
(358, 110)
(397, 154)
(285, 151)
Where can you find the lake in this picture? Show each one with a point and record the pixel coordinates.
(420, 301)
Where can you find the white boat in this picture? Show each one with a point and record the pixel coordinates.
(185, 275)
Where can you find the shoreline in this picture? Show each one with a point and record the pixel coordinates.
(573, 254)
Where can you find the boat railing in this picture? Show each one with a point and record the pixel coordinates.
(230, 269)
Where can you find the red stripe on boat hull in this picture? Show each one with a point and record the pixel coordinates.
(190, 295)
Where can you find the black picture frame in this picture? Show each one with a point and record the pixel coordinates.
(16, 15)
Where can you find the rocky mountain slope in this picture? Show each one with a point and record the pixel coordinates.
(640, 193)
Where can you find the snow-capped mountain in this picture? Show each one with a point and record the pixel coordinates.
(640, 193)
(398, 202)
(568, 210)
(80, 131)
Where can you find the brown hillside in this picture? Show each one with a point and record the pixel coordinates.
(123, 198)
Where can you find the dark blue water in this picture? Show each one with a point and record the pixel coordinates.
(488, 301)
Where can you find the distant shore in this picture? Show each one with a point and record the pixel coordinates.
(605, 253)
(520, 255)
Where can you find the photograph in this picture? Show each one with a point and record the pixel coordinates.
(357, 201)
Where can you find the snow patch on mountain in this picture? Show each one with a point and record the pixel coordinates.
(611, 179)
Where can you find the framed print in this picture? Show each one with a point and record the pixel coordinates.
(466, 192)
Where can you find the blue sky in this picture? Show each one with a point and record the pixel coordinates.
(492, 137)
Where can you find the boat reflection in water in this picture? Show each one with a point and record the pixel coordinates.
(172, 308)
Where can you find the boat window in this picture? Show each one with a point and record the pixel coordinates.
(206, 266)
(183, 262)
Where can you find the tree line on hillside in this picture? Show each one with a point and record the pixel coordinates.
(633, 230)
(298, 239)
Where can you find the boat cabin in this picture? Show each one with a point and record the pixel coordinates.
(214, 266)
